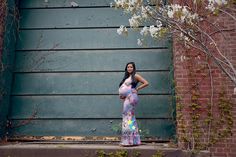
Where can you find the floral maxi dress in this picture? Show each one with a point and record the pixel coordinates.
(130, 134)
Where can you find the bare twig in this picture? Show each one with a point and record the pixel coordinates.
(211, 99)
(228, 14)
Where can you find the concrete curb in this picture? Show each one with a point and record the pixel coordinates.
(88, 150)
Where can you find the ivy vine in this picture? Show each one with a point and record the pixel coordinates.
(202, 124)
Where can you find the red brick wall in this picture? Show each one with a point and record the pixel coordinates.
(187, 74)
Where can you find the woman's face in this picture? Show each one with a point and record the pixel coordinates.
(130, 68)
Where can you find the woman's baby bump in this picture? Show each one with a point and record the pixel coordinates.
(125, 90)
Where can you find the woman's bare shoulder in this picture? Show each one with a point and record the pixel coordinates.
(137, 75)
(140, 78)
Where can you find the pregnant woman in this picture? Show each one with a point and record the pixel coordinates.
(128, 92)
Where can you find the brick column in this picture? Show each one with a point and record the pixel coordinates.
(184, 82)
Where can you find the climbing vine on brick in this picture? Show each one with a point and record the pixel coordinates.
(201, 121)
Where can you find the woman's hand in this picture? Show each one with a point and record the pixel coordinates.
(144, 82)
(134, 91)
(122, 97)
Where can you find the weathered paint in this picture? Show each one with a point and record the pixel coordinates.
(154, 128)
(84, 83)
(86, 17)
(146, 59)
(67, 72)
(63, 3)
(96, 38)
(66, 138)
(7, 65)
(159, 106)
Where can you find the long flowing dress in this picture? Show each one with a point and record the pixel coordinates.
(130, 135)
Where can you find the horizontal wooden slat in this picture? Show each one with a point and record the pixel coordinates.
(81, 39)
(69, 63)
(98, 60)
(63, 3)
(84, 83)
(93, 106)
(72, 18)
(98, 127)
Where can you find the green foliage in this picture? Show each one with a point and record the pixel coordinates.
(117, 128)
(211, 125)
(223, 124)
(143, 132)
(120, 153)
(137, 154)
(101, 153)
(124, 153)
(158, 154)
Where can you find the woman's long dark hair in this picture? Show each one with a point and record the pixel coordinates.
(134, 82)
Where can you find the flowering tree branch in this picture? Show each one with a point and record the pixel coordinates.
(184, 19)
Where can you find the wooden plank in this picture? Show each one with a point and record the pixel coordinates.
(72, 18)
(94, 106)
(84, 83)
(63, 3)
(162, 128)
(56, 39)
(145, 59)
(88, 77)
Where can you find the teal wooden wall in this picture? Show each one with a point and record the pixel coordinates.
(7, 62)
(68, 65)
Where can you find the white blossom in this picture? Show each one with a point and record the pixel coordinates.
(176, 7)
(154, 31)
(120, 3)
(144, 31)
(127, 3)
(220, 2)
(186, 38)
(159, 23)
(122, 30)
(170, 13)
(194, 16)
(130, 9)
(186, 14)
(182, 58)
(182, 18)
(74, 4)
(185, 11)
(212, 4)
(135, 20)
(140, 42)
(146, 11)
(133, 2)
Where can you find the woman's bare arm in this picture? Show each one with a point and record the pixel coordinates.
(142, 80)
